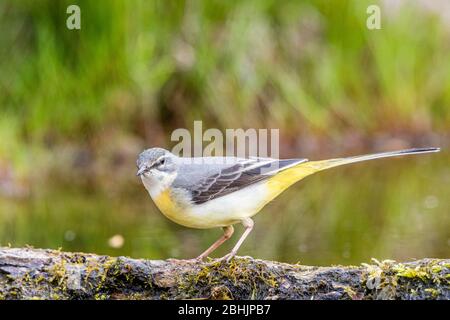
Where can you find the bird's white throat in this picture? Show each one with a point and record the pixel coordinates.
(157, 182)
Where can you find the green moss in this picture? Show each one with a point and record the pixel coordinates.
(389, 279)
(406, 272)
(104, 269)
(55, 296)
(219, 279)
(436, 268)
(58, 273)
(352, 294)
(433, 292)
(221, 293)
(101, 296)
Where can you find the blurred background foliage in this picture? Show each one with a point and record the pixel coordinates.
(77, 106)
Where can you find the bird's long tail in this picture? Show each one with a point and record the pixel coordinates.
(326, 164)
(286, 178)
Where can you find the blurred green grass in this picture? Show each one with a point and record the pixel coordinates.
(77, 106)
(308, 62)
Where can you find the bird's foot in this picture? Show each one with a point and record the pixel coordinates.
(228, 257)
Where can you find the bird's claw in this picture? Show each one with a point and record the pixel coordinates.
(228, 257)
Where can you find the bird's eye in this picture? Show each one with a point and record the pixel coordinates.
(162, 161)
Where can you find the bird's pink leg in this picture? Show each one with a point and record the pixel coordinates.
(248, 224)
(227, 233)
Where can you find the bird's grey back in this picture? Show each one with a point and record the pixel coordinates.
(192, 171)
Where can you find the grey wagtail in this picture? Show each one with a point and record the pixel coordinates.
(215, 192)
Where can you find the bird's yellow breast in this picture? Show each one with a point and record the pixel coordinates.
(176, 210)
(166, 204)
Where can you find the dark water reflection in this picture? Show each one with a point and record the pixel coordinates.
(395, 208)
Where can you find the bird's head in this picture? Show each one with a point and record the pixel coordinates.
(156, 166)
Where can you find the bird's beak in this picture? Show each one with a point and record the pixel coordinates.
(141, 170)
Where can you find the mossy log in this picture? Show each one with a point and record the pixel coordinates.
(27, 273)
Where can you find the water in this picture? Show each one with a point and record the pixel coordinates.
(387, 209)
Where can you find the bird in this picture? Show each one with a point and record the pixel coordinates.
(219, 192)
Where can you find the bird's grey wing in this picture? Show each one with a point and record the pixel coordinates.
(207, 182)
